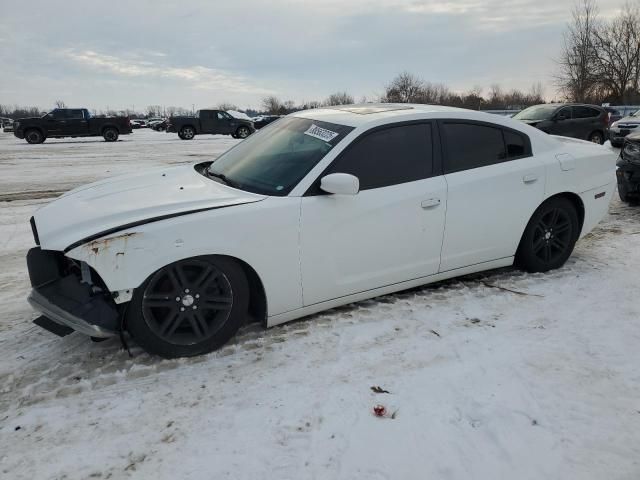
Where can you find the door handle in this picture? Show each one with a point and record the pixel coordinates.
(530, 178)
(430, 203)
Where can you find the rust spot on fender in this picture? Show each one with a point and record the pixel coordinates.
(104, 243)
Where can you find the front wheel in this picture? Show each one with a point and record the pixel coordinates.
(549, 237)
(243, 132)
(596, 137)
(187, 133)
(189, 307)
(34, 136)
(110, 134)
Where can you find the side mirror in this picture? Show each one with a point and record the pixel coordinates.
(340, 184)
(560, 118)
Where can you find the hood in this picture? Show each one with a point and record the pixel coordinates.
(634, 137)
(28, 119)
(533, 123)
(629, 119)
(127, 200)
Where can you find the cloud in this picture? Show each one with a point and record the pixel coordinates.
(199, 76)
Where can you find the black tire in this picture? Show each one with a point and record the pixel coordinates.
(190, 307)
(34, 136)
(110, 134)
(187, 133)
(242, 132)
(597, 137)
(549, 237)
(623, 192)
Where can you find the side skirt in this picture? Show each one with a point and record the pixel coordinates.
(396, 287)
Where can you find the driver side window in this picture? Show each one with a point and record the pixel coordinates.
(389, 157)
(564, 112)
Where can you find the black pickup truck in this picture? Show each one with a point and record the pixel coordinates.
(212, 122)
(70, 122)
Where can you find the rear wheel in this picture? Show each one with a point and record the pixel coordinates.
(190, 307)
(550, 236)
(243, 132)
(34, 136)
(596, 137)
(187, 133)
(110, 134)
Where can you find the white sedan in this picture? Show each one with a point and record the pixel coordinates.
(322, 208)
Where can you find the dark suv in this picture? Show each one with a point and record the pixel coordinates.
(587, 122)
(211, 122)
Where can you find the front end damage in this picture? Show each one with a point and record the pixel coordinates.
(70, 296)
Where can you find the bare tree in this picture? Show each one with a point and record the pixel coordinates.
(617, 52)
(405, 88)
(227, 106)
(338, 98)
(576, 78)
(59, 104)
(272, 104)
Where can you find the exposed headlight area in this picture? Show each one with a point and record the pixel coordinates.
(631, 152)
(615, 124)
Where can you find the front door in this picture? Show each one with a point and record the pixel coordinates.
(76, 123)
(391, 231)
(563, 123)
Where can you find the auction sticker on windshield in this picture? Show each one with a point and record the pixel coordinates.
(321, 133)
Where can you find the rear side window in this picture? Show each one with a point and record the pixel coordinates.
(389, 157)
(585, 112)
(470, 145)
(516, 144)
(75, 114)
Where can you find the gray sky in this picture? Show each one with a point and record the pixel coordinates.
(122, 53)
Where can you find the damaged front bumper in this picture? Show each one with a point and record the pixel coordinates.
(63, 294)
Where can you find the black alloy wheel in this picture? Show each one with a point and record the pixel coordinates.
(189, 307)
(549, 237)
(34, 136)
(110, 134)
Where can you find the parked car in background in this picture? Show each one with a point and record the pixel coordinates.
(323, 208)
(158, 125)
(614, 114)
(628, 172)
(586, 122)
(138, 123)
(623, 127)
(6, 124)
(210, 122)
(70, 122)
(263, 120)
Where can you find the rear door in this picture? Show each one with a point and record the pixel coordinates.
(587, 120)
(494, 186)
(76, 123)
(208, 121)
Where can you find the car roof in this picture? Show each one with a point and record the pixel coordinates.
(363, 114)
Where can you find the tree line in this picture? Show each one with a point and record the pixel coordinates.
(410, 88)
(600, 58)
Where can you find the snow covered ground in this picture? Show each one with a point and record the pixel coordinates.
(484, 383)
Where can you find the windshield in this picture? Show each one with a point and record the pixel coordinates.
(274, 160)
(537, 112)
